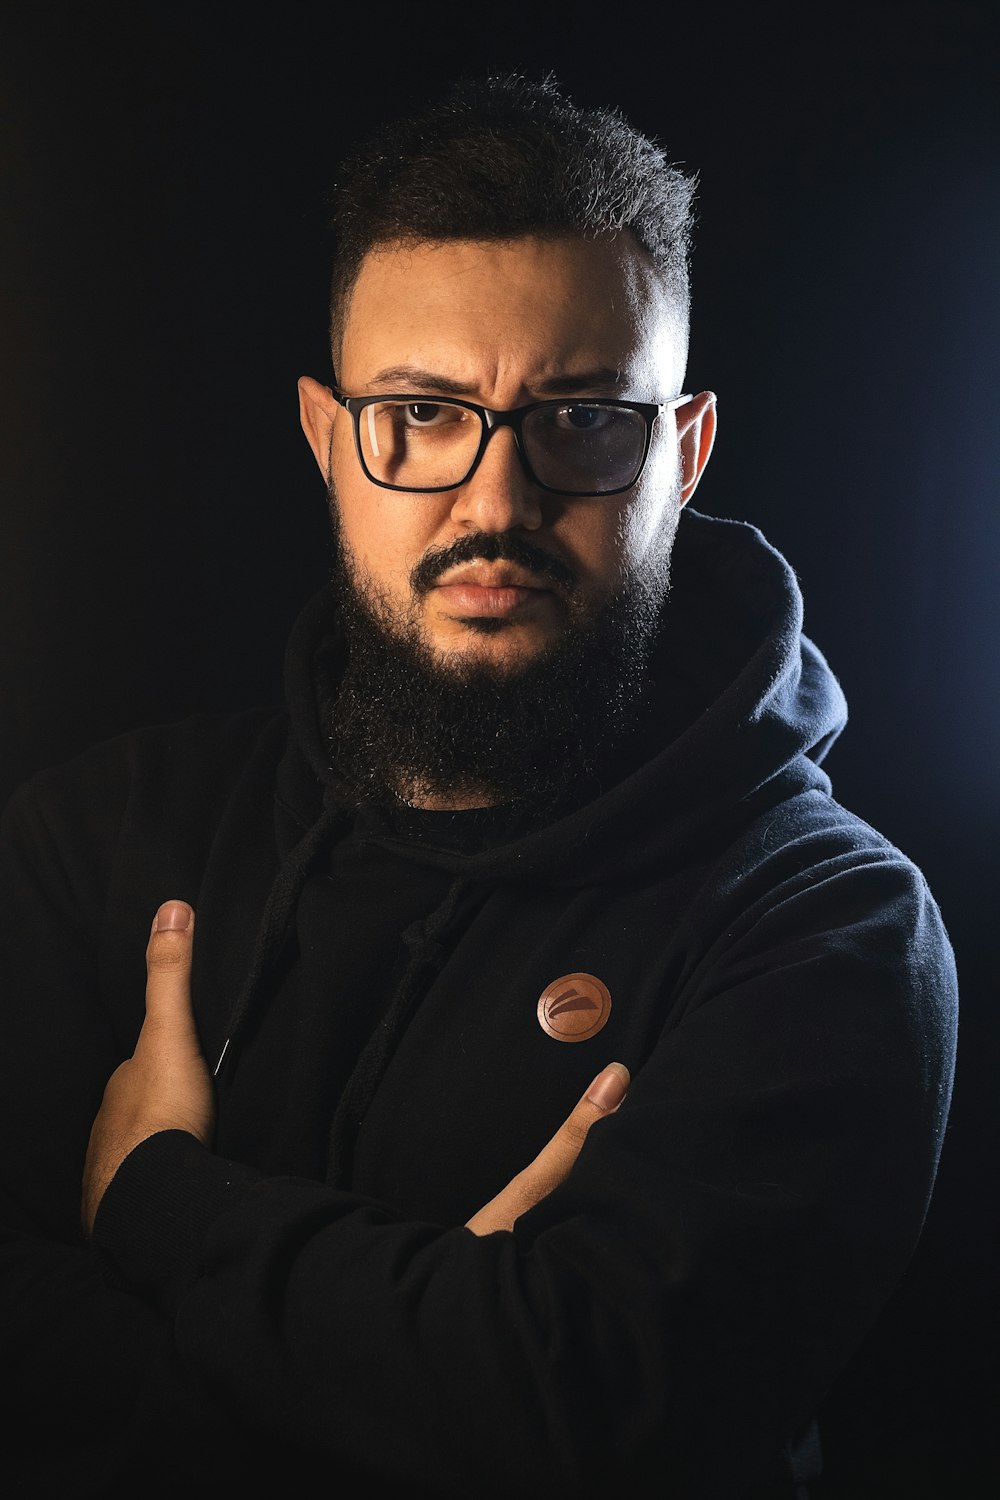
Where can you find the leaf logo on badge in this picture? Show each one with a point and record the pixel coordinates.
(575, 1007)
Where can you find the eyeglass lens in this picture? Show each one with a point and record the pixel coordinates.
(578, 449)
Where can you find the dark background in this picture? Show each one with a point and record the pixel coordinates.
(164, 283)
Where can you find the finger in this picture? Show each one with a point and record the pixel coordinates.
(168, 968)
(604, 1096)
(553, 1163)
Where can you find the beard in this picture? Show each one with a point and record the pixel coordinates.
(408, 724)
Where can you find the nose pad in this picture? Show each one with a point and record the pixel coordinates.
(500, 495)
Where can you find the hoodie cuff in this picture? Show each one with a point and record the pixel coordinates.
(151, 1225)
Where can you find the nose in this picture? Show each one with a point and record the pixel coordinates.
(499, 495)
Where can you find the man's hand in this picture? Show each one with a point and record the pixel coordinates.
(165, 1084)
(552, 1164)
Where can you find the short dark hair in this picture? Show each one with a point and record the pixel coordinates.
(503, 156)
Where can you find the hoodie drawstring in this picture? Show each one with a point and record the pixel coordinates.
(277, 918)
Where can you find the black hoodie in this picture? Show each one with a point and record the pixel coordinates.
(304, 1298)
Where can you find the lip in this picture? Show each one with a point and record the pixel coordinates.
(484, 575)
(483, 588)
(488, 599)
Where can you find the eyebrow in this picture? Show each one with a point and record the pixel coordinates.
(405, 378)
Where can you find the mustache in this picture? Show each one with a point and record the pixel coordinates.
(492, 546)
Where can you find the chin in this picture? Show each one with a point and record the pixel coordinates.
(493, 646)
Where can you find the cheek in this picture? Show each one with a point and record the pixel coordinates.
(614, 537)
(640, 526)
(648, 521)
(607, 539)
(385, 534)
(591, 537)
(357, 508)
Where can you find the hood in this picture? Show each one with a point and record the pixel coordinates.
(741, 710)
(761, 707)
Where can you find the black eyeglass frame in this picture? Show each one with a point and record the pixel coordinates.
(491, 421)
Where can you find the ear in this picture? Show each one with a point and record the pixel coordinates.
(695, 436)
(317, 413)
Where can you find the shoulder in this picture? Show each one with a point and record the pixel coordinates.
(177, 776)
(818, 899)
(814, 894)
(810, 839)
(191, 749)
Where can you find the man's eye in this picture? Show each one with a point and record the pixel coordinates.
(584, 418)
(430, 414)
(421, 413)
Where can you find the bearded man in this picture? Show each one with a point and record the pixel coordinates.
(540, 1079)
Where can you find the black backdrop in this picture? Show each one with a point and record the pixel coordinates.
(164, 284)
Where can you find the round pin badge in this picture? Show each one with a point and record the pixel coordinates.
(573, 1008)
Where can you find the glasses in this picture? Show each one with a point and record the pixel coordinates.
(420, 444)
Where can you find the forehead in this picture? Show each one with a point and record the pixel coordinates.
(510, 313)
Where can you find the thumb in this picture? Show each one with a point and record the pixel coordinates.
(553, 1163)
(602, 1098)
(168, 968)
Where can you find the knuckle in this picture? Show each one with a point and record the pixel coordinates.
(576, 1128)
(169, 951)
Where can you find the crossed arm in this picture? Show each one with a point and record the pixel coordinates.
(166, 1085)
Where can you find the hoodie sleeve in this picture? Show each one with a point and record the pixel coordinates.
(679, 1306)
(92, 1370)
(82, 1357)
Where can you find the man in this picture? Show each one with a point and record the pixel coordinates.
(541, 1078)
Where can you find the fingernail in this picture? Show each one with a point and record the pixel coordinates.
(610, 1087)
(173, 916)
